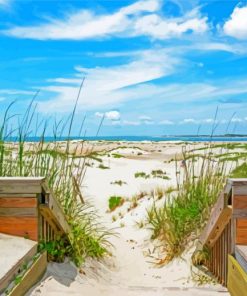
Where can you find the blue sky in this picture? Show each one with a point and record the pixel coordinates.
(151, 67)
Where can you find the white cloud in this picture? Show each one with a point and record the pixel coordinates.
(131, 123)
(208, 120)
(166, 122)
(188, 121)
(236, 26)
(147, 122)
(107, 85)
(145, 118)
(16, 92)
(141, 18)
(236, 119)
(111, 115)
(160, 28)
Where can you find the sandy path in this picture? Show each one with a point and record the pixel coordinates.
(130, 271)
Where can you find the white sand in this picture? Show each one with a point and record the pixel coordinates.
(131, 269)
(12, 250)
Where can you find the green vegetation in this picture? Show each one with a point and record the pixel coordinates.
(154, 174)
(103, 167)
(117, 155)
(181, 218)
(64, 172)
(114, 202)
(240, 171)
(159, 174)
(119, 182)
(141, 175)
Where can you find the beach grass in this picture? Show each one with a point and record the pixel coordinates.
(181, 218)
(64, 171)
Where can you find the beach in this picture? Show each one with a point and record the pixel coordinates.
(133, 266)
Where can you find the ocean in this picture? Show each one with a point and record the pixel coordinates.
(146, 138)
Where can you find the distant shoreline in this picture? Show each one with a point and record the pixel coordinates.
(178, 138)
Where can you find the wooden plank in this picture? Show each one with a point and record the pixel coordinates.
(241, 256)
(49, 217)
(215, 213)
(240, 202)
(237, 278)
(58, 214)
(18, 202)
(8, 277)
(18, 212)
(20, 188)
(219, 226)
(241, 231)
(31, 277)
(20, 185)
(20, 226)
(17, 195)
(33, 180)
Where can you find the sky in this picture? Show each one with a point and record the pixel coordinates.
(150, 67)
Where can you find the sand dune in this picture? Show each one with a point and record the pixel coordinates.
(131, 269)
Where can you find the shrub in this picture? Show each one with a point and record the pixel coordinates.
(141, 175)
(114, 202)
(180, 219)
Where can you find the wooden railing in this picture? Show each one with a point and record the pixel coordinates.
(226, 229)
(29, 209)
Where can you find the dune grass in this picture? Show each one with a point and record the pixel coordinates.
(240, 171)
(64, 173)
(181, 218)
(115, 202)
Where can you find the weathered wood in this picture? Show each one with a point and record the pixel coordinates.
(17, 195)
(240, 202)
(23, 180)
(18, 202)
(241, 232)
(58, 213)
(237, 278)
(20, 185)
(8, 277)
(241, 256)
(214, 216)
(18, 212)
(31, 277)
(20, 188)
(219, 226)
(48, 216)
(20, 226)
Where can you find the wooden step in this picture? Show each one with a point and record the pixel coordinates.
(30, 277)
(237, 278)
(241, 256)
(15, 253)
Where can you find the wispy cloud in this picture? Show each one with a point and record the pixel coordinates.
(131, 123)
(108, 85)
(4, 2)
(8, 92)
(143, 18)
(166, 122)
(188, 120)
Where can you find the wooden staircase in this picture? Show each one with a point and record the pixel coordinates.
(29, 214)
(225, 238)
